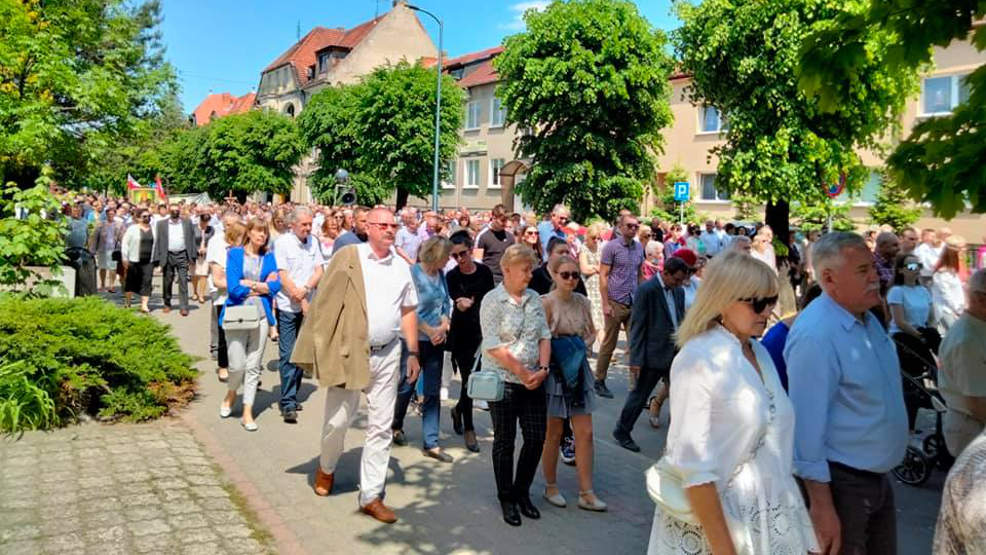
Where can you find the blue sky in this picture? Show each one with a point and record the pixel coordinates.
(222, 45)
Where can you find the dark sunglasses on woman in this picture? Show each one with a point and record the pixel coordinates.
(568, 275)
(759, 304)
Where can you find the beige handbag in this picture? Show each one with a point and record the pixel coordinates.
(664, 485)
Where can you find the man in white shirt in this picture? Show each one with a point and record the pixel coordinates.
(928, 252)
(407, 240)
(712, 239)
(299, 266)
(174, 251)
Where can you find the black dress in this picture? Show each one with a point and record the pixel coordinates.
(140, 273)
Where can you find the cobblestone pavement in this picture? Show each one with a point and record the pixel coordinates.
(94, 488)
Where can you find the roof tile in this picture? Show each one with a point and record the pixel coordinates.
(302, 53)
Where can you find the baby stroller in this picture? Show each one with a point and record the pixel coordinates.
(928, 450)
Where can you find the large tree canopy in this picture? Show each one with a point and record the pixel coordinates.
(76, 78)
(589, 79)
(941, 162)
(382, 131)
(780, 147)
(241, 153)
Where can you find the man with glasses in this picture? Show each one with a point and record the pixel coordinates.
(493, 241)
(620, 271)
(554, 227)
(657, 311)
(299, 265)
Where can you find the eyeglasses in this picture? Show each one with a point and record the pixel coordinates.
(568, 275)
(913, 266)
(759, 304)
(384, 225)
(632, 226)
(531, 233)
(458, 255)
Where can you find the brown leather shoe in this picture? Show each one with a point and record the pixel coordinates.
(184, 312)
(167, 309)
(323, 482)
(379, 511)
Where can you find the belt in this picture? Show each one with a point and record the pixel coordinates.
(855, 471)
(378, 348)
(179, 251)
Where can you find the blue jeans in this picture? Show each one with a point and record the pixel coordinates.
(288, 325)
(431, 359)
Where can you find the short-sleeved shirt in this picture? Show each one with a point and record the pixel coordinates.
(389, 290)
(624, 262)
(916, 302)
(215, 253)
(299, 260)
(494, 244)
(963, 362)
(547, 230)
(518, 326)
(408, 241)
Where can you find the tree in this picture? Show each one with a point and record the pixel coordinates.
(589, 78)
(815, 216)
(382, 131)
(76, 78)
(941, 162)
(243, 153)
(34, 238)
(780, 147)
(669, 209)
(892, 208)
(747, 207)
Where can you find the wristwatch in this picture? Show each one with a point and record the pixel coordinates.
(412, 354)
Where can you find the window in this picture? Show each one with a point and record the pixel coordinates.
(710, 121)
(448, 179)
(870, 189)
(709, 191)
(496, 164)
(323, 62)
(472, 174)
(289, 110)
(497, 113)
(472, 114)
(940, 95)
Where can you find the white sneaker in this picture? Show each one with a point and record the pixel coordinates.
(225, 411)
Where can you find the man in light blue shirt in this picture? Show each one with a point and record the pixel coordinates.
(851, 424)
(553, 227)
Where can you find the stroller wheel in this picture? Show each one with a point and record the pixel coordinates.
(915, 469)
(933, 445)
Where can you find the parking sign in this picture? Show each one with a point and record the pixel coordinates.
(681, 191)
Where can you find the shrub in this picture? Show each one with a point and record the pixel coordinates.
(60, 358)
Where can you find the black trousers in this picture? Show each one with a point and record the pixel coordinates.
(464, 360)
(864, 502)
(529, 408)
(177, 263)
(637, 399)
(222, 356)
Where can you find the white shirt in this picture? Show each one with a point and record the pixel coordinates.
(300, 262)
(215, 253)
(389, 289)
(916, 302)
(713, 242)
(176, 235)
(949, 297)
(928, 255)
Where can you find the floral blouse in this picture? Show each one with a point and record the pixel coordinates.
(519, 326)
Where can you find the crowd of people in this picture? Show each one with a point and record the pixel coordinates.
(781, 362)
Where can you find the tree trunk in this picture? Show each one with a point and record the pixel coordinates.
(401, 198)
(777, 216)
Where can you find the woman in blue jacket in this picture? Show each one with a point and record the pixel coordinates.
(251, 278)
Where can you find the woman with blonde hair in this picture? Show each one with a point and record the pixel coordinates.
(732, 427)
(589, 266)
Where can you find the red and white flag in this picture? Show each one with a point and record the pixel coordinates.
(132, 183)
(159, 188)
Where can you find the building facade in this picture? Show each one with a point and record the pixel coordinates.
(221, 104)
(325, 57)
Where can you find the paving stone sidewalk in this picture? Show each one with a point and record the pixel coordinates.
(94, 488)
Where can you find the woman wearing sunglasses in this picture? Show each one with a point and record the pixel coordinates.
(911, 326)
(569, 316)
(529, 236)
(732, 427)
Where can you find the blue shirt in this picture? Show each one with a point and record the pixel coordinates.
(546, 230)
(845, 384)
(774, 341)
(433, 298)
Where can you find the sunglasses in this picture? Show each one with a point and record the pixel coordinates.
(632, 226)
(531, 233)
(384, 225)
(457, 255)
(568, 275)
(913, 266)
(759, 304)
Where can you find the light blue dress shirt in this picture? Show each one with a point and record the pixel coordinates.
(845, 384)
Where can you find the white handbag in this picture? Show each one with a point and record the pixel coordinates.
(241, 317)
(664, 485)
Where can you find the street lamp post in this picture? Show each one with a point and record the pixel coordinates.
(438, 107)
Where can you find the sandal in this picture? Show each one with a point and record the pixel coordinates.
(589, 502)
(654, 413)
(556, 498)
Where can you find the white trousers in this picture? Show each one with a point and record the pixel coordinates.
(246, 353)
(341, 406)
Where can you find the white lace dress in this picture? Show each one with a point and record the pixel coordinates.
(721, 412)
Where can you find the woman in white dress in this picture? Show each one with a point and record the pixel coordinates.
(732, 426)
(946, 283)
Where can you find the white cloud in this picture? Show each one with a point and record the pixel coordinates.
(517, 23)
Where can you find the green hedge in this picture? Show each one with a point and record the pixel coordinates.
(60, 358)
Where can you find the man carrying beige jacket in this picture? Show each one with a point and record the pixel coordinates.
(351, 344)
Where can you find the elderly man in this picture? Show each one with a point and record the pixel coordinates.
(359, 350)
(408, 239)
(299, 265)
(657, 311)
(620, 271)
(962, 380)
(741, 243)
(357, 234)
(174, 251)
(851, 424)
(713, 239)
(554, 227)
(884, 256)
